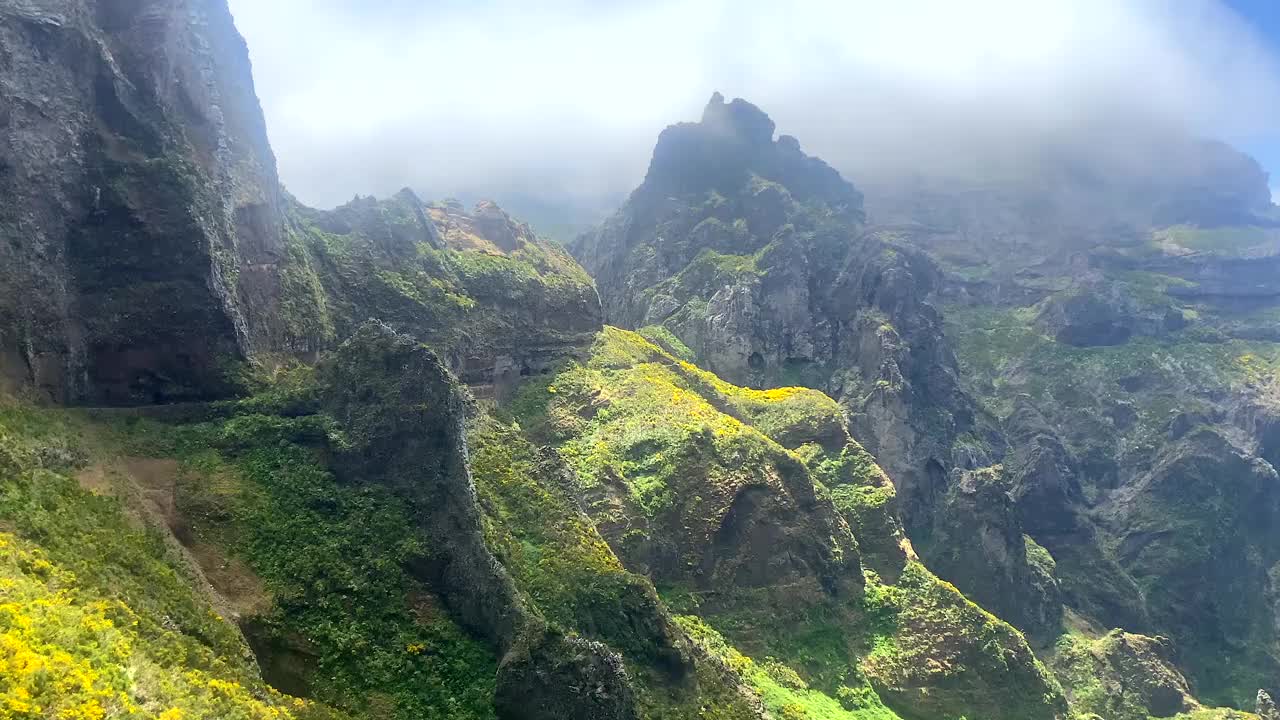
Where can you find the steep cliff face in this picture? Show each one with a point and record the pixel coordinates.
(141, 227)
(148, 248)
(620, 533)
(755, 256)
(403, 418)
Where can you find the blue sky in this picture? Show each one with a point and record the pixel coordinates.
(565, 97)
(1264, 17)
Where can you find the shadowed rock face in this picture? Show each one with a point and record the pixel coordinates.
(404, 417)
(1112, 322)
(979, 537)
(150, 248)
(1134, 676)
(140, 231)
(1198, 532)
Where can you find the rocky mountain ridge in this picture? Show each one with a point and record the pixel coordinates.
(1008, 504)
(296, 506)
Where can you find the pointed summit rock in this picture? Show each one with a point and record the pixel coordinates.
(739, 118)
(1267, 707)
(733, 143)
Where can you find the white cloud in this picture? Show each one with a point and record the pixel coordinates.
(569, 95)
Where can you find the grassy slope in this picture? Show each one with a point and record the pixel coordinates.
(253, 494)
(99, 616)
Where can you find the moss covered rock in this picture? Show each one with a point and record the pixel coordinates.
(496, 302)
(748, 508)
(1122, 675)
(754, 255)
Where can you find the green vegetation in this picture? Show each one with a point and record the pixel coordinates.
(1122, 676)
(784, 692)
(681, 444)
(1004, 354)
(559, 560)
(1147, 408)
(332, 556)
(99, 616)
(388, 263)
(552, 551)
(1231, 240)
(317, 567)
(662, 337)
(709, 271)
(68, 652)
(930, 636)
(304, 308)
(637, 414)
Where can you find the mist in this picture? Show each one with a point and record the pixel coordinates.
(565, 100)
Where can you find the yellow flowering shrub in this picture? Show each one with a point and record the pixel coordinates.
(66, 655)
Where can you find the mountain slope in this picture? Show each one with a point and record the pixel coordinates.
(294, 505)
(1022, 477)
(756, 257)
(1127, 348)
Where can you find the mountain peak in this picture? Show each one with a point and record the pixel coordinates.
(739, 119)
(732, 143)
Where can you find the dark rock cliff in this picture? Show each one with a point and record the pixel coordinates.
(497, 302)
(146, 248)
(140, 233)
(403, 417)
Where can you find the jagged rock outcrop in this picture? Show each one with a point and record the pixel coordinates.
(140, 233)
(688, 494)
(403, 416)
(756, 510)
(493, 299)
(1049, 502)
(1102, 314)
(1266, 707)
(147, 248)
(979, 537)
(1109, 308)
(755, 256)
(1123, 676)
(1198, 532)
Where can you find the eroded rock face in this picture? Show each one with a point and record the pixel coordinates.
(1108, 318)
(979, 537)
(1125, 676)
(493, 299)
(754, 254)
(1266, 707)
(150, 249)
(1198, 533)
(562, 678)
(403, 417)
(141, 223)
(713, 491)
